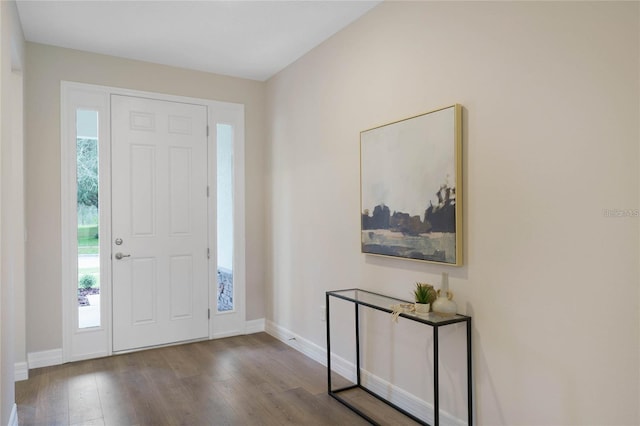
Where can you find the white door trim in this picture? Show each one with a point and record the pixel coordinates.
(218, 112)
(225, 324)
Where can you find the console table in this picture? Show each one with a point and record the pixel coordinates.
(383, 303)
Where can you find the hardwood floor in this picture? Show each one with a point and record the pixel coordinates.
(244, 380)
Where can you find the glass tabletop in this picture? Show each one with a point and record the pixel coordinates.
(390, 304)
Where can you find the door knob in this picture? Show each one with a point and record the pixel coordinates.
(120, 255)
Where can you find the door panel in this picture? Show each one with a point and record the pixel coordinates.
(159, 210)
(142, 189)
(181, 287)
(180, 182)
(143, 285)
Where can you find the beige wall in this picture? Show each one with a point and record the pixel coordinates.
(551, 128)
(11, 208)
(46, 67)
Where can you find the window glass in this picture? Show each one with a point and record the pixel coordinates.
(88, 219)
(224, 155)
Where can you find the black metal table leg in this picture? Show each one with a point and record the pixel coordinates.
(326, 304)
(436, 384)
(358, 343)
(469, 389)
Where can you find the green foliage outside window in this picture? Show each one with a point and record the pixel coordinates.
(87, 281)
(87, 171)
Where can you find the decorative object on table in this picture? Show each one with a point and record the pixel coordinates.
(401, 308)
(444, 304)
(411, 188)
(424, 294)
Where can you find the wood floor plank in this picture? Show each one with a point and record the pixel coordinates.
(245, 408)
(114, 398)
(212, 409)
(379, 411)
(27, 393)
(84, 401)
(95, 422)
(314, 411)
(52, 406)
(242, 380)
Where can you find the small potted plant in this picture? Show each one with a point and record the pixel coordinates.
(424, 295)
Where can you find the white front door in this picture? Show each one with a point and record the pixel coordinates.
(159, 222)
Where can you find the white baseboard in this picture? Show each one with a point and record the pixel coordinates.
(254, 326)
(54, 356)
(407, 401)
(13, 419)
(226, 334)
(20, 371)
(44, 358)
(250, 327)
(347, 369)
(317, 353)
(307, 347)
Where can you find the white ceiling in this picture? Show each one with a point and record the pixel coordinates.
(248, 39)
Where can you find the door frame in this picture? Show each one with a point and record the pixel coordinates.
(79, 344)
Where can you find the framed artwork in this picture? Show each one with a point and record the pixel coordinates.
(411, 188)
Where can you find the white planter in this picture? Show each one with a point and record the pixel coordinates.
(422, 308)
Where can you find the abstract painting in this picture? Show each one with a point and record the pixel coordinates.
(410, 193)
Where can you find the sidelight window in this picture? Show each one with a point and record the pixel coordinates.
(224, 191)
(87, 182)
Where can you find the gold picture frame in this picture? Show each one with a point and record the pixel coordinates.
(411, 188)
